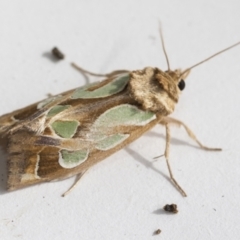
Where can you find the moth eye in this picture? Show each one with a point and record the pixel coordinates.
(181, 84)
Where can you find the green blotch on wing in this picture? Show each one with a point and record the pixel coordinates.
(111, 141)
(125, 115)
(113, 87)
(71, 159)
(57, 109)
(65, 129)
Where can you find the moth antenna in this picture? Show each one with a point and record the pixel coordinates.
(205, 60)
(163, 47)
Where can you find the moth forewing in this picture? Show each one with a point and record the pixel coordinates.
(78, 131)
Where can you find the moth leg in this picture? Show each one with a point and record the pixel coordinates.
(166, 154)
(189, 132)
(77, 180)
(86, 72)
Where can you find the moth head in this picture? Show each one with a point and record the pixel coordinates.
(155, 90)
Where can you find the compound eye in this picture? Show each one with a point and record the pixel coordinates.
(181, 84)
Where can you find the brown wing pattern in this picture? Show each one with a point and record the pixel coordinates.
(46, 139)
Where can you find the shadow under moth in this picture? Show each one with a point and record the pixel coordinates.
(66, 134)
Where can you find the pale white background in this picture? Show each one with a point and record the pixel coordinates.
(122, 197)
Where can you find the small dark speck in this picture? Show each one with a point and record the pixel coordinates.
(214, 209)
(57, 53)
(157, 232)
(172, 208)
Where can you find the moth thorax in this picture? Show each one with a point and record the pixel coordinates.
(154, 90)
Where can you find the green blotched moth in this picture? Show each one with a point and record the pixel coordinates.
(65, 135)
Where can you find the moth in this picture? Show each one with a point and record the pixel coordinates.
(66, 134)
